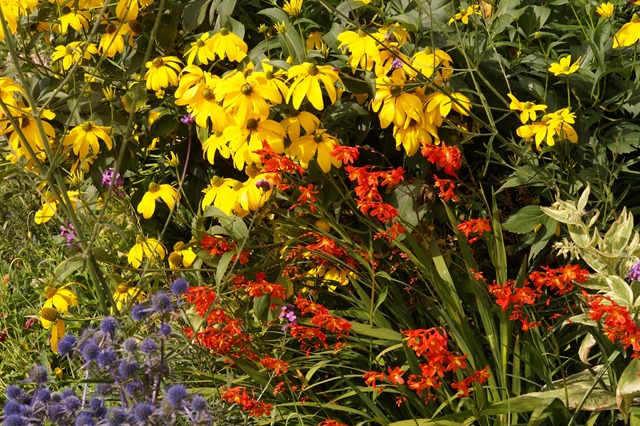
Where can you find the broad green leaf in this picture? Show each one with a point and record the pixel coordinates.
(426, 422)
(194, 13)
(622, 293)
(585, 347)
(628, 386)
(616, 239)
(223, 264)
(524, 220)
(68, 266)
(378, 333)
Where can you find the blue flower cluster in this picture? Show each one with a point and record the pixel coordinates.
(123, 377)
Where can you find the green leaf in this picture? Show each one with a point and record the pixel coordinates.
(623, 138)
(68, 266)
(378, 333)
(525, 220)
(628, 386)
(194, 13)
(617, 237)
(622, 293)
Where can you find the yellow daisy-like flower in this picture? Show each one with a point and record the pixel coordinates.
(50, 205)
(564, 66)
(440, 105)
(200, 50)
(465, 14)
(182, 255)
(124, 293)
(60, 298)
(412, 135)
(49, 317)
(201, 102)
(393, 104)
(298, 121)
(330, 274)
(226, 44)
(292, 7)
(216, 143)
(112, 42)
(31, 132)
(246, 97)
(306, 83)
(86, 136)
(78, 20)
(429, 62)
(245, 140)
(527, 109)
(251, 195)
(127, 10)
(275, 79)
(165, 192)
(605, 10)
(629, 34)
(363, 48)
(72, 53)
(163, 71)
(221, 193)
(316, 42)
(556, 124)
(320, 143)
(146, 248)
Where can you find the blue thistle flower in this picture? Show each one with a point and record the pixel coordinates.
(85, 418)
(130, 345)
(175, 395)
(71, 403)
(116, 416)
(109, 325)
(13, 408)
(38, 374)
(106, 358)
(127, 369)
(66, 344)
(198, 403)
(165, 330)
(56, 412)
(15, 420)
(44, 395)
(148, 346)
(179, 286)
(13, 392)
(161, 302)
(142, 412)
(90, 351)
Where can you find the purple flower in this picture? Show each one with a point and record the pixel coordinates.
(38, 374)
(161, 302)
(634, 272)
(142, 412)
(69, 232)
(179, 286)
(188, 119)
(263, 184)
(108, 325)
(287, 313)
(175, 395)
(396, 64)
(109, 179)
(66, 344)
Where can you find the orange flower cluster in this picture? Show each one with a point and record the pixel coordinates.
(445, 157)
(433, 345)
(260, 287)
(559, 281)
(314, 338)
(474, 226)
(367, 192)
(249, 404)
(223, 335)
(276, 365)
(617, 323)
(218, 245)
(330, 423)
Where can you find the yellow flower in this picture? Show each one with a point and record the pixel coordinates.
(50, 205)
(182, 255)
(222, 193)
(246, 139)
(109, 93)
(441, 105)
(280, 27)
(527, 109)
(564, 66)
(112, 42)
(215, 143)
(148, 248)
(78, 20)
(31, 133)
(306, 83)
(292, 7)
(124, 293)
(246, 97)
(556, 124)
(200, 99)
(60, 298)
(72, 53)
(127, 10)
(275, 79)
(49, 316)
(393, 104)
(320, 143)
(226, 44)
(412, 134)
(629, 33)
(605, 10)
(427, 61)
(316, 42)
(330, 274)
(298, 121)
(250, 196)
(201, 50)
(162, 72)
(86, 136)
(363, 48)
(165, 192)
(465, 14)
